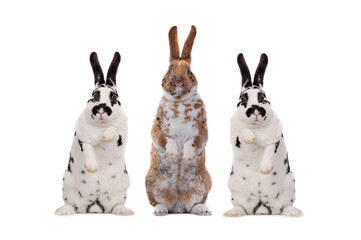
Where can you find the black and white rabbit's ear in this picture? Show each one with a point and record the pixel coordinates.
(261, 69)
(246, 76)
(188, 45)
(112, 71)
(97, 69)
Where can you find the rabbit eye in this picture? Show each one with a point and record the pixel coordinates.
(169, 71)
(188, 71)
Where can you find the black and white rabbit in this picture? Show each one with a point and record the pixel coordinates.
(261, 181)
(96, 180)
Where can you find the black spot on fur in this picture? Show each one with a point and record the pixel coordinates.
(275, 173)
(278, 194)
(95, 203)
(238, 143)
(125, 169)
(74, 134)
(81, 145)
(119, 142)
(83, 182)
(243, 99)
(274, 183)
(262, 98)
(232, 172)
(114, 98)
(288, 165)
(165, 171)
(82, 172)
(260, 203)
(113, 176)
(95, 96)
(80, 194)
(251, 110)
(103, 106)
(71, 160)
(244, 178)
(276, 146)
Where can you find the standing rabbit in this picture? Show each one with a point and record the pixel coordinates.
(261, 181)
(96, 180)
(177, 180)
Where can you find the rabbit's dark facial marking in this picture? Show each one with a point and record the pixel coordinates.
(179, 79)
(262, 97)
(252, 110)
(95, 97)
(103, 107)
(243, 99)
(114, 98)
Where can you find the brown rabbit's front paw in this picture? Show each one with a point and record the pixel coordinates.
(171, 149)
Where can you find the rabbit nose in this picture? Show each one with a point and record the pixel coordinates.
(256, 112)
(177, 83)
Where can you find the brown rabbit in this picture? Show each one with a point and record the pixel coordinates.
(177, 180)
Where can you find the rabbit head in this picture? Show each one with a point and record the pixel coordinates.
(179, 80)
(253, 106)
(104, 104)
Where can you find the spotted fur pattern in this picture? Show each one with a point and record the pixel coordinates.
(96, 180)
(177, 180)
(261, 181)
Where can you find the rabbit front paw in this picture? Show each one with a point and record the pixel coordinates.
(248, 136)
(109, 134)
(266, 167)
(91, 165)
(171, 149)
(189, 152)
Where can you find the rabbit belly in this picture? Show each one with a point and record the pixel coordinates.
(261, 193)
(176, 184)
(95, 192)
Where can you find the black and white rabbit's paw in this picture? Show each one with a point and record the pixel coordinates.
(91, 165)
(171, 149)
(122, 210)
(292, 211)
(109, 134)
(160, 210)
(235, 212)
(202, 210)
(248, 135)
(189, 152)
(66, 209)
(266, 166)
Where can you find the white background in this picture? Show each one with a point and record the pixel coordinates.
(312, 82)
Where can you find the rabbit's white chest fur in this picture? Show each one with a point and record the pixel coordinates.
(256, 192)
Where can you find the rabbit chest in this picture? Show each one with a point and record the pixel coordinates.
(181, 119)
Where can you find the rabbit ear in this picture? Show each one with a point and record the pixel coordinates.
(246, 76)
(97, 69)
(112, 71)
(173, 44)
(187, 48)
(261, 69)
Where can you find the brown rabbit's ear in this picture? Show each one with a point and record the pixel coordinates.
(261, 69)
(246, 76)
(112, 71)
(173, 44)
(97, 69)
(187, 48)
